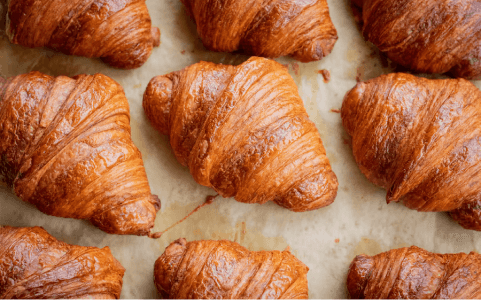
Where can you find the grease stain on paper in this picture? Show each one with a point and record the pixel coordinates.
(208, 223)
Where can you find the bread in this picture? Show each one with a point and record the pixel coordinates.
(226, 270)
(33, 265)
(420, 140)
(430, 36)
(300, 28)
(118, 31)
(244, 132)
(414, 273)
(65, 147)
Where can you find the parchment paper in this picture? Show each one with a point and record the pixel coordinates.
(359, 221)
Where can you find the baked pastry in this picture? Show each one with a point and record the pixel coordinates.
(420, 140)
(226, 270)
(119, 32)
(432, 36)
(414, 273)
(244, 132)
(300, 28)
(33, 264)
(65, 147)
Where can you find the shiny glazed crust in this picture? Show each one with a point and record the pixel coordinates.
(119, 32)
(419, 139)
(429, 36)
(414, 273)
(226, 270)
(33, 265)
(244, 132)
(269, 28)
(65, 147)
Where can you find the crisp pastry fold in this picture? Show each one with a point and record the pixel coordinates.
(243, 131)
(65, 147)
(419, 139)
(226, 270)
(33, 265)
(118, 31)
(270, 28)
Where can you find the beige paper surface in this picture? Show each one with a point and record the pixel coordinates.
(359, 221)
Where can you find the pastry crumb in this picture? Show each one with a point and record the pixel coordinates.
(295, 67)
(325, 74)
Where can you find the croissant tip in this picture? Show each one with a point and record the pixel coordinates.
(155, 235)
(157, 202)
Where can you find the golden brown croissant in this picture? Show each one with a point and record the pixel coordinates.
(420, 139)
(33, 264)
(226, 270)
(244, 132)
(414, 273)
(300, 28)
(119, 32)
(429, 36)
(65, 147)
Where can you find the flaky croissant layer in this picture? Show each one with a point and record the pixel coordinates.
(300, 28)
(65, 147)
(244, 132)
(420, 139)
(34, 265)
(226, 270)
(429, 36)
(414, 273)
(119, 32)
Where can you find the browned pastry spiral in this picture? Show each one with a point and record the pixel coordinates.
(414, 273)
(65, 147)
(244, 132)
(271, 28)
(226, 270)
(429, 36)
(34, 265)
(420, 139)
(118, 31)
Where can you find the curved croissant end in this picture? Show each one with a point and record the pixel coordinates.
(244, 132)
(119, 32)
(414, 273)
(33, 264)
(432, 36)
(226, 270)
(302, 29)
(65, 147)
(419, 139)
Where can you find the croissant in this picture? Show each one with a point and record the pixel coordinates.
(226, 270)
(420, 140)
(33, 264)
(414, 273)
(65, 147)
(244, 132)
(430, 36)
(300, 28)
(119, 32)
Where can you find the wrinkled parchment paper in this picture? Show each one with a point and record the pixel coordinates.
(359, 221)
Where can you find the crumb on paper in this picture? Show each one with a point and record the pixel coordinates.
(183, 51)
(286, 65)
(337, 241)
(325, 74)
(337, 111)
(345, 141)
(295, 67)
(138, 86)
